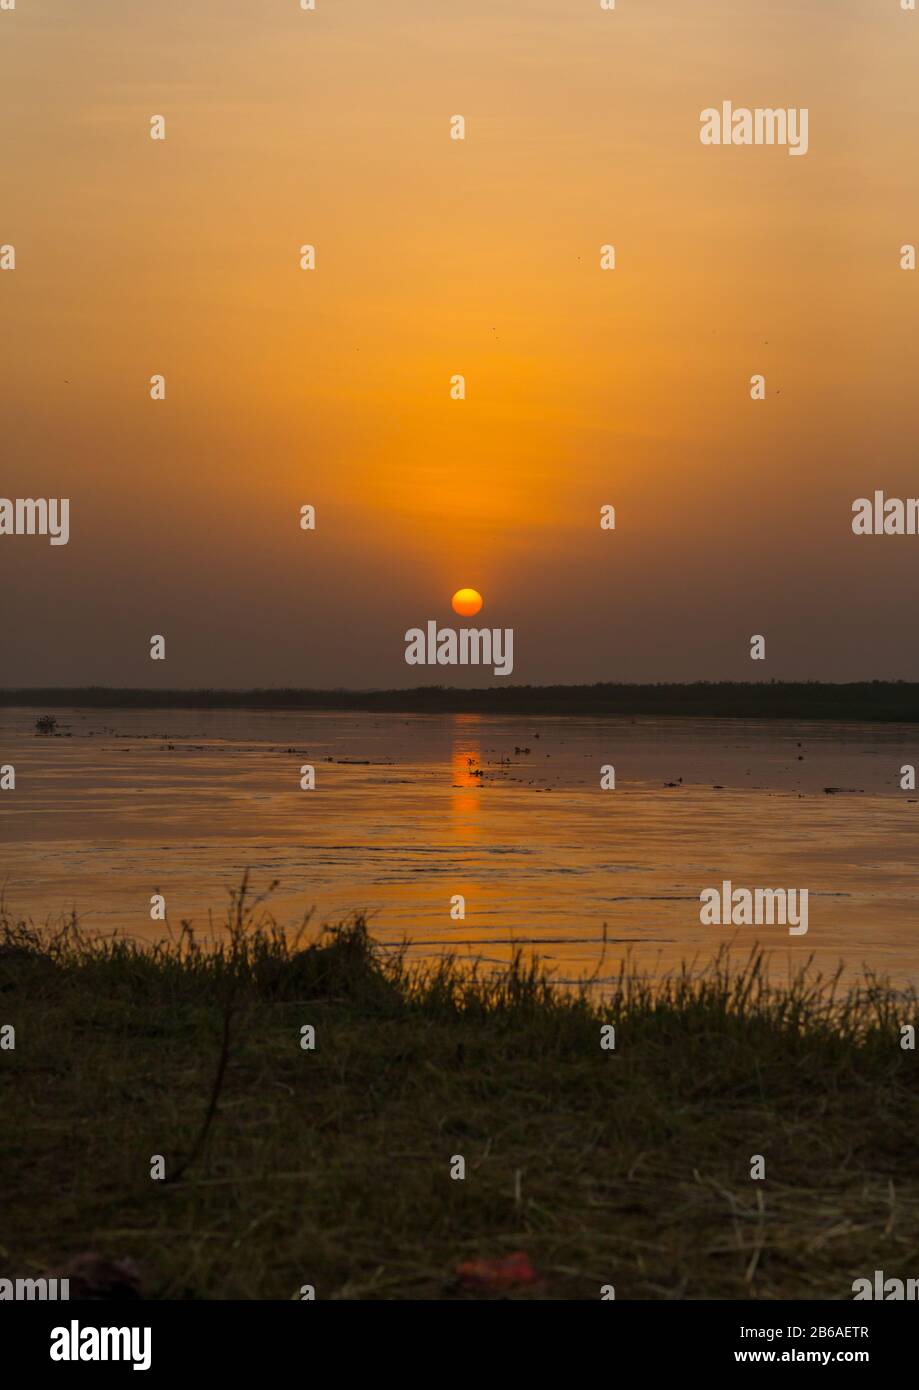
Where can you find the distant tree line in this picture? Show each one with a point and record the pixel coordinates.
(883, 701)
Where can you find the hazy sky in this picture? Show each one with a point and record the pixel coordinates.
(438, 257)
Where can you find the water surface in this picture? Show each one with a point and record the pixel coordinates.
(410, 810)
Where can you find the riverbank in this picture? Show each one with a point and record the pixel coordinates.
(871, 701)
(288, 1166)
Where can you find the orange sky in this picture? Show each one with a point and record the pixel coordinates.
(438, 257)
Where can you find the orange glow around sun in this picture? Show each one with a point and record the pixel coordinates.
(467, 602)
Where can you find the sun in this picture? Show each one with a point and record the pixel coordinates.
(467, 602)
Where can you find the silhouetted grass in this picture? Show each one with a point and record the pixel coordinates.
(331, 1167)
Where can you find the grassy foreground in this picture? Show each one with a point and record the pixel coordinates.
(331, 1167)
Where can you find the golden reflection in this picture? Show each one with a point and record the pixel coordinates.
(466, 768)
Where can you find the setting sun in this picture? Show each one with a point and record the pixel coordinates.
(467, 602)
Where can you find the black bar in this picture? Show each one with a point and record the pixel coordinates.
(468, 1337)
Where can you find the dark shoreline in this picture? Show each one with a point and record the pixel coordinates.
(868, 701)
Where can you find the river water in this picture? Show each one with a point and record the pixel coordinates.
(409, 811)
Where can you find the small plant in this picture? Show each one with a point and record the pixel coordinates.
(46, 724)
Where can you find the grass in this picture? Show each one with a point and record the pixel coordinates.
(330, 1167)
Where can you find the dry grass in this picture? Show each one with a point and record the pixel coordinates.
(331, 1167)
